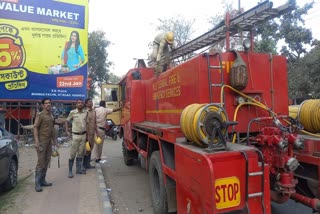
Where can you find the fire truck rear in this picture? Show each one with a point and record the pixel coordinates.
(214, 132)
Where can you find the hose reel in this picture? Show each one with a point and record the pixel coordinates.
(308, 114)
(206, 125)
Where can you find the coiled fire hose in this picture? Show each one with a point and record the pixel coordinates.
(197, 122)
(308, 113)
(193, 116)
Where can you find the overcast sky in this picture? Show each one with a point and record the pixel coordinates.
(130, 25)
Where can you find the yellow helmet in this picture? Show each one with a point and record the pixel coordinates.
(55, 153)
(88, 148)
(98, 140)
(169, 37)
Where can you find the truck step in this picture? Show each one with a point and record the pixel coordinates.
(256, 194)
(255, 173)
(216, 67)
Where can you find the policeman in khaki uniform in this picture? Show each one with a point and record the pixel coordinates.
(91, 132)
(44, 136)
(79, 119)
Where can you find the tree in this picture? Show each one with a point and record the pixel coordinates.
(306, 78)
(266, 39)
(289, 30)
(220, 19)
(114, 78)
(313, 65)
(98, 63)
(299, 85)
(180, 26)
(292, 30)
(297, 38)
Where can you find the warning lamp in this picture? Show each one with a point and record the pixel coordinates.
(246, 44)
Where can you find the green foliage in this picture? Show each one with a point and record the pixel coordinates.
(313, 66)
(98, 63)
(268, 37)
(295, 35)
(304, 74)
(297, 39)
(114, 78)
(289, 31)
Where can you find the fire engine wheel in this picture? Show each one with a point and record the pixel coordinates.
(127, 158)
(159, 196)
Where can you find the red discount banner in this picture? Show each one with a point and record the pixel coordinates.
(70, 82)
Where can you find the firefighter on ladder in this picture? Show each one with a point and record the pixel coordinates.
(162, 44)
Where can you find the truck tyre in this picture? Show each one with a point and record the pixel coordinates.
(158, 190)
(128, 160)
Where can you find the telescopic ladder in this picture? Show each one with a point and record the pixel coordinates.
(245, 21)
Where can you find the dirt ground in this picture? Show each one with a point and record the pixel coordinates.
(28, 157)
(13, 201)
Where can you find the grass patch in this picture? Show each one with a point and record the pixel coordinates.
(7, 199)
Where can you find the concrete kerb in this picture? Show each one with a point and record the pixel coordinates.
(107, 209)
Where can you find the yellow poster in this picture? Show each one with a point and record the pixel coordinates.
(43, 49)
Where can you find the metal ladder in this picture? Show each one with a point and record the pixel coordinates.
(252, 174)
(245, 21)
(213, 67)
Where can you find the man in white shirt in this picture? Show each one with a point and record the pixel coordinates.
(101, 115)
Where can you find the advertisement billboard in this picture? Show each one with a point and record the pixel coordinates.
(43, 49)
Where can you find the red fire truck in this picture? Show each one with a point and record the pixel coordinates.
(214, 132)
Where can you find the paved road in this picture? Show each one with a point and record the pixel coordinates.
(129, 185)
(291, 207)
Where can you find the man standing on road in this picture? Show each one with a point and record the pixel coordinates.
(91, 132)
(79, 119)
(44, 137)
(101, 116)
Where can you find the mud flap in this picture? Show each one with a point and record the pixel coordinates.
(171, 197)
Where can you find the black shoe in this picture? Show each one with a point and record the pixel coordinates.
(98, 160)
(43, 181)
(79, 167)
(89, 166)
(70, 175)
(38, 175)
